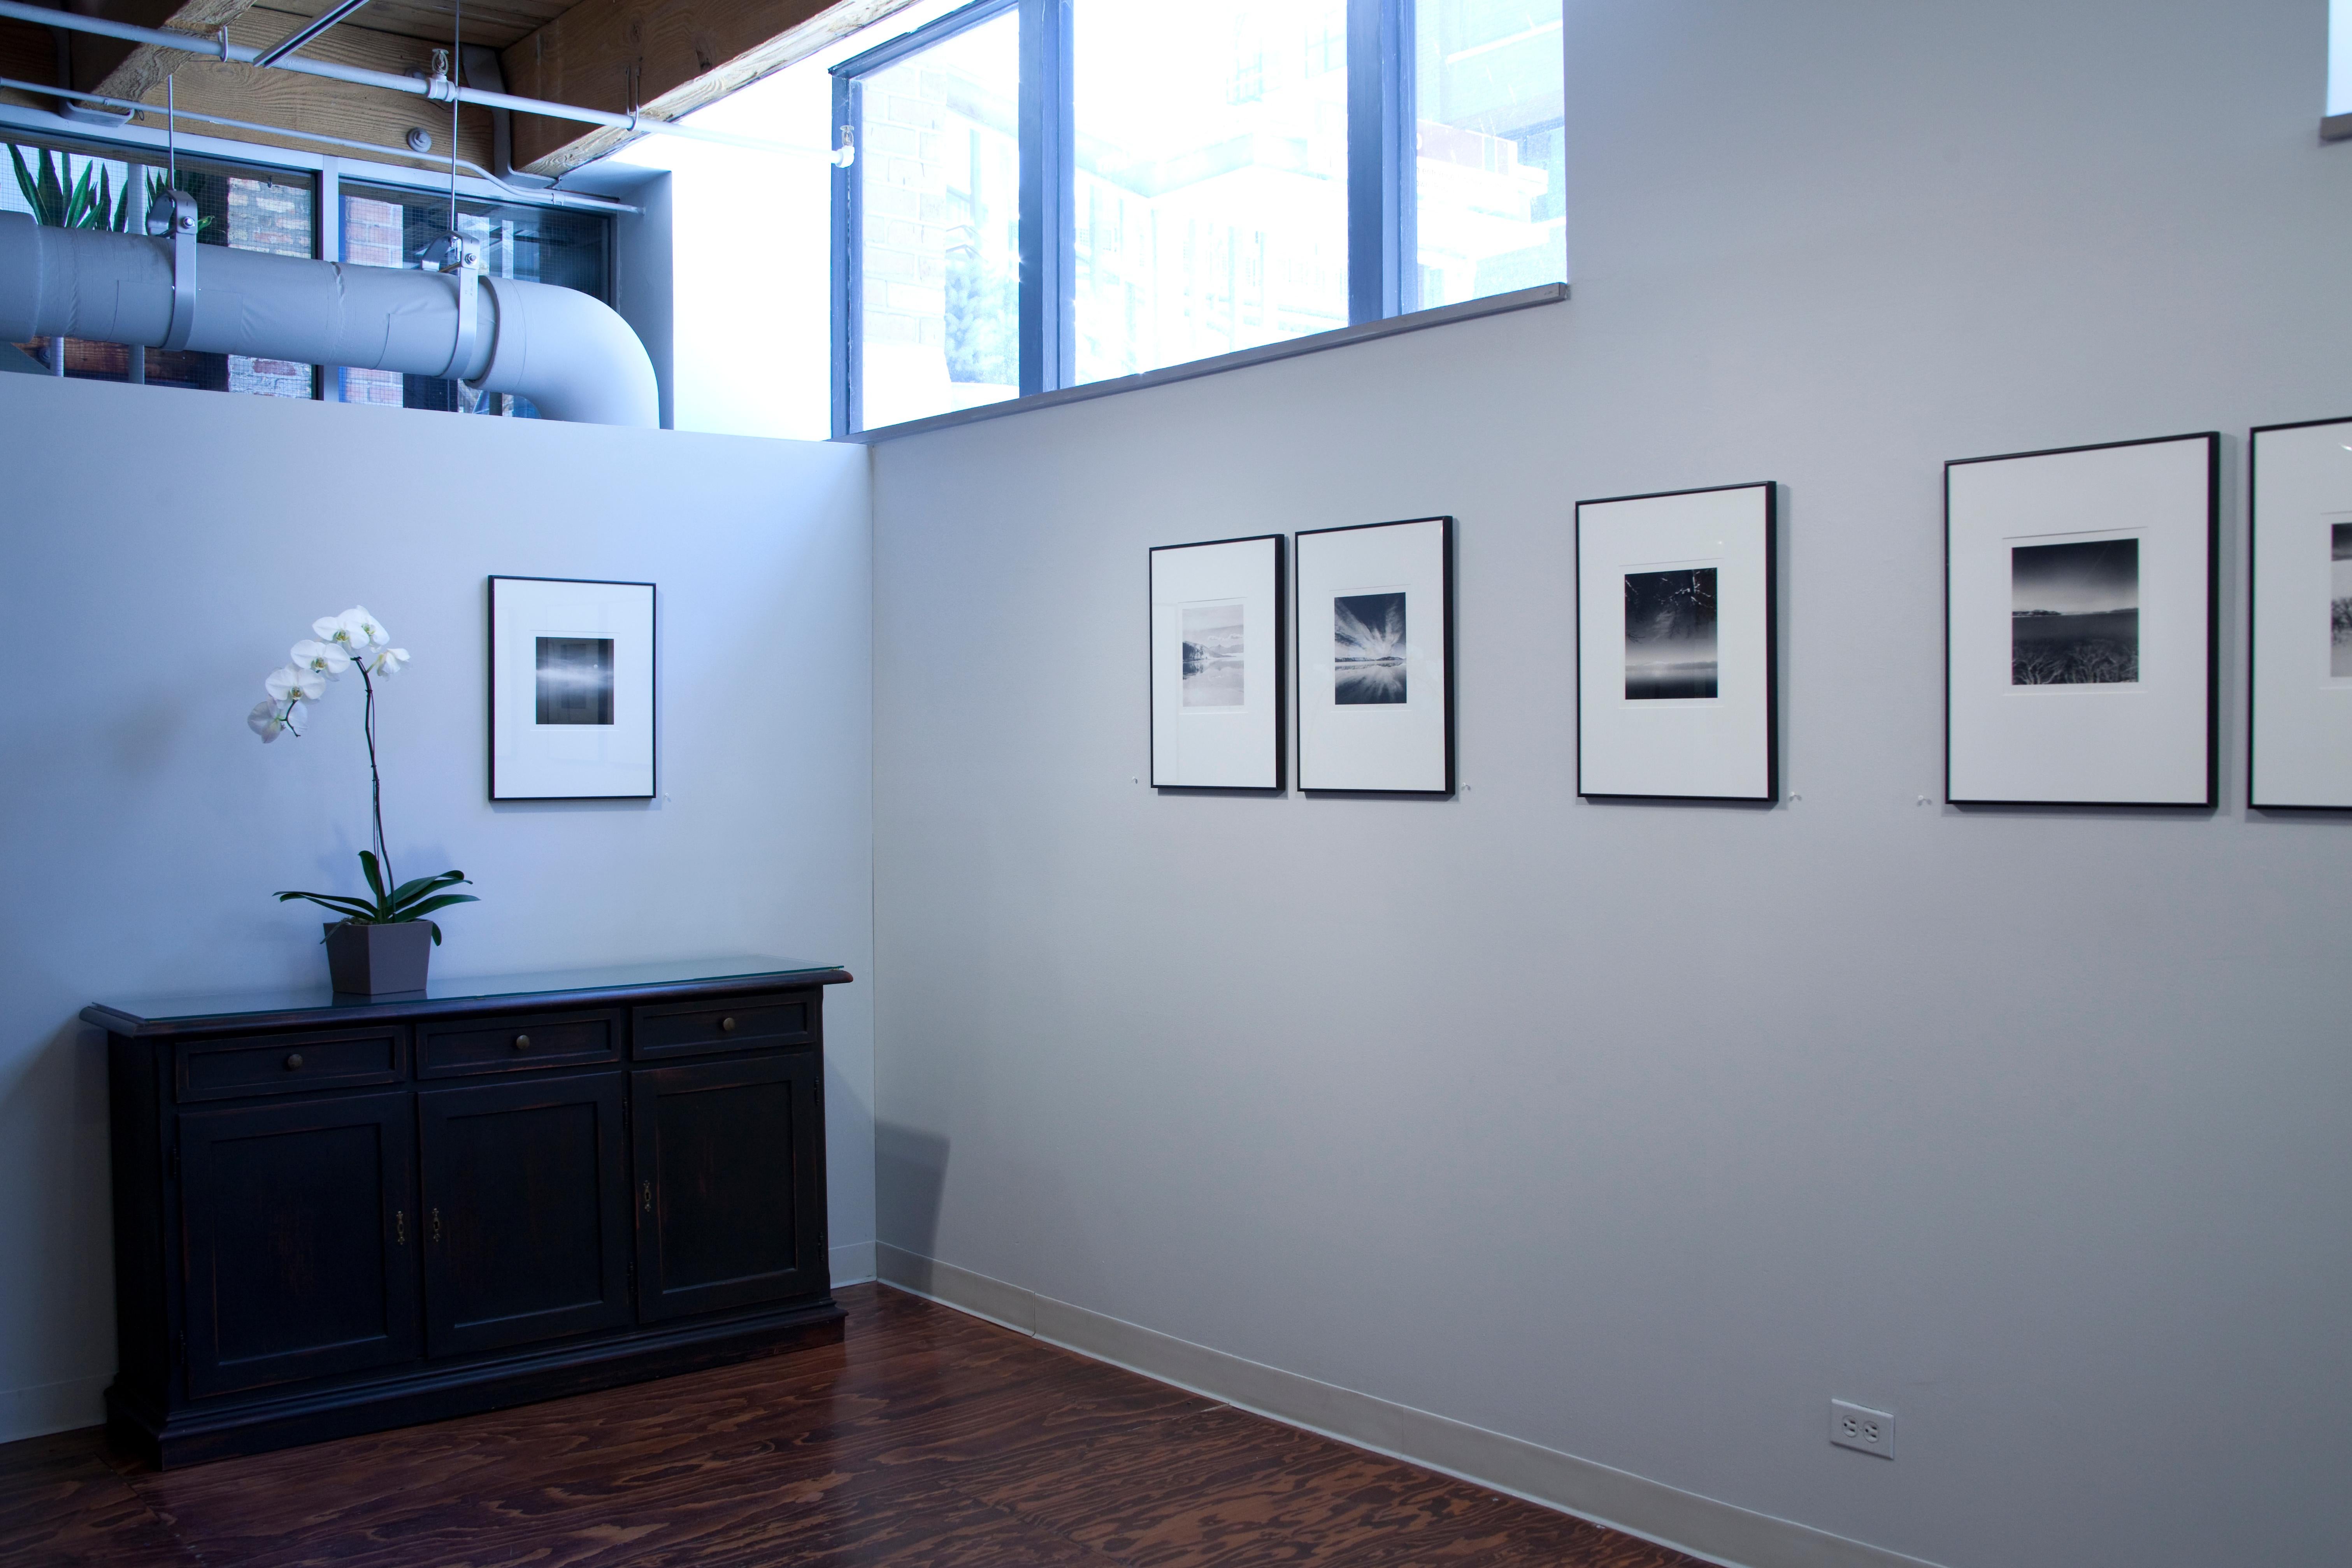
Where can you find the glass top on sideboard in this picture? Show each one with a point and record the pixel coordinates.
(456, 987)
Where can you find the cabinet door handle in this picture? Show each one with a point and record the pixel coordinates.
(646, 1191)
(522, 1042)
(436, 1221)
(400, 1228)
(727, 1025)
(293, 1061)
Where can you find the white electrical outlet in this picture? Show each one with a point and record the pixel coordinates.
(1864, 1431)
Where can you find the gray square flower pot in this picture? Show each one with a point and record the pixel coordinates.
(378, 960)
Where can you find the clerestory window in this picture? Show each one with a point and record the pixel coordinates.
(1041, 194)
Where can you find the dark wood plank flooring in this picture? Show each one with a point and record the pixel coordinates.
(927, 1438)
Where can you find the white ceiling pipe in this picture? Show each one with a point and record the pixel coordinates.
(440, 90)
(568, 354)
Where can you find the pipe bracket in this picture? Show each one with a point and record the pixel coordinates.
(172, 219)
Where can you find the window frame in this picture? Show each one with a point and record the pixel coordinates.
(1383, 252)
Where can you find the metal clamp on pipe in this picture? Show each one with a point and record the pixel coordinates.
(461, 259)
(172, 219)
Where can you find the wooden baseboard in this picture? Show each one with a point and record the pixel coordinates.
(1700, 1526)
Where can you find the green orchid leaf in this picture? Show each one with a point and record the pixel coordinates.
(350, 908)
(374, 880)
(408, 893)
(430, 904)
(436, 933)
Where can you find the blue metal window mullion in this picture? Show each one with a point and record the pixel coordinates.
(1383, 276)
(1048, 173)
(848, 262)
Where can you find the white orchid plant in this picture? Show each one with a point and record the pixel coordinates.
(338, 645)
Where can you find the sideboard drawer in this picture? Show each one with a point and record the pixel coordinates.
(739, 1023)
(291, 1063)
(519, 1043)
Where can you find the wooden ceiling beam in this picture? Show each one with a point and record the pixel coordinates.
(121, 69)
(660, 57)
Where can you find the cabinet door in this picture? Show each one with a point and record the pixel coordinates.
(526, 1205)
(731, 1185)
(298, 1257)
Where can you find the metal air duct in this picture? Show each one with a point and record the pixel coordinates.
(570, 354)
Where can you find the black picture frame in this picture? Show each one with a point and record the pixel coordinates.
(1770, 545)
(2256, 774)
(506, 792)
(1298, 620)
(2211, 604)
(1275, 590)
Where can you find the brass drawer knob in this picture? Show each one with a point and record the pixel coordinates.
(522, 1042)
(727, 1024)
(293, 1061)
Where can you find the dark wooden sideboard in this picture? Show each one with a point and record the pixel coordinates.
(333, 1215)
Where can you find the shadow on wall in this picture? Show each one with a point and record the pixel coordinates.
(910, 1170)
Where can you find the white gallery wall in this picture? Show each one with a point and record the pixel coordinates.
(1641, 1132)
(161, 550)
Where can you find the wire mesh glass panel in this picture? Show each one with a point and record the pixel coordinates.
(1488, 206)
(386, 228)
(244, 209)
(939, 167)
(1212, 178)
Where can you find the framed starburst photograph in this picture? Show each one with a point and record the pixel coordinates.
(1375, 621)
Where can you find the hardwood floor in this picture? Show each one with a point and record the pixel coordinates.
(927, 1438)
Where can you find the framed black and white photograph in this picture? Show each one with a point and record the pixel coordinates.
(2079, 638)
(1676, 635)
(1376, 658)
(2300, 719)
(1217, 636)
(572, 689)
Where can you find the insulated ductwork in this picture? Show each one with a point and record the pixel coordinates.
(570, 354)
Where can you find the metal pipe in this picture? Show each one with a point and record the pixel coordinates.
(538, 198)
(306, 32)
(440, 90)
(567, 352)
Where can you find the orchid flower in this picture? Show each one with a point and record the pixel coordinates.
(327, 659)
(295, 683)
(269, 716)
(385, 661)
(354, 631)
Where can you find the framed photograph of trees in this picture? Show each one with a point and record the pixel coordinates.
(2079, 647)
(2300, 717)
(1676, 631)
(1217, 637)
(1376, 658)
(572, 689)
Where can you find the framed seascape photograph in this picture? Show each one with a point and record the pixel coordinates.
(572, 689)
(2078, 625)
(1216, 664)
(2300, 720)
(1677, 638)
(1376, 658)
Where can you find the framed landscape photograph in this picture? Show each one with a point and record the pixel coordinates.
(1217, 637)
(2079, 630)
(2300, 720)
(1376, 658)
(572, 689)
(1677, 640)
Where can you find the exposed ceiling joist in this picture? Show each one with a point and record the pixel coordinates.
(662, 58)
(132, 70)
